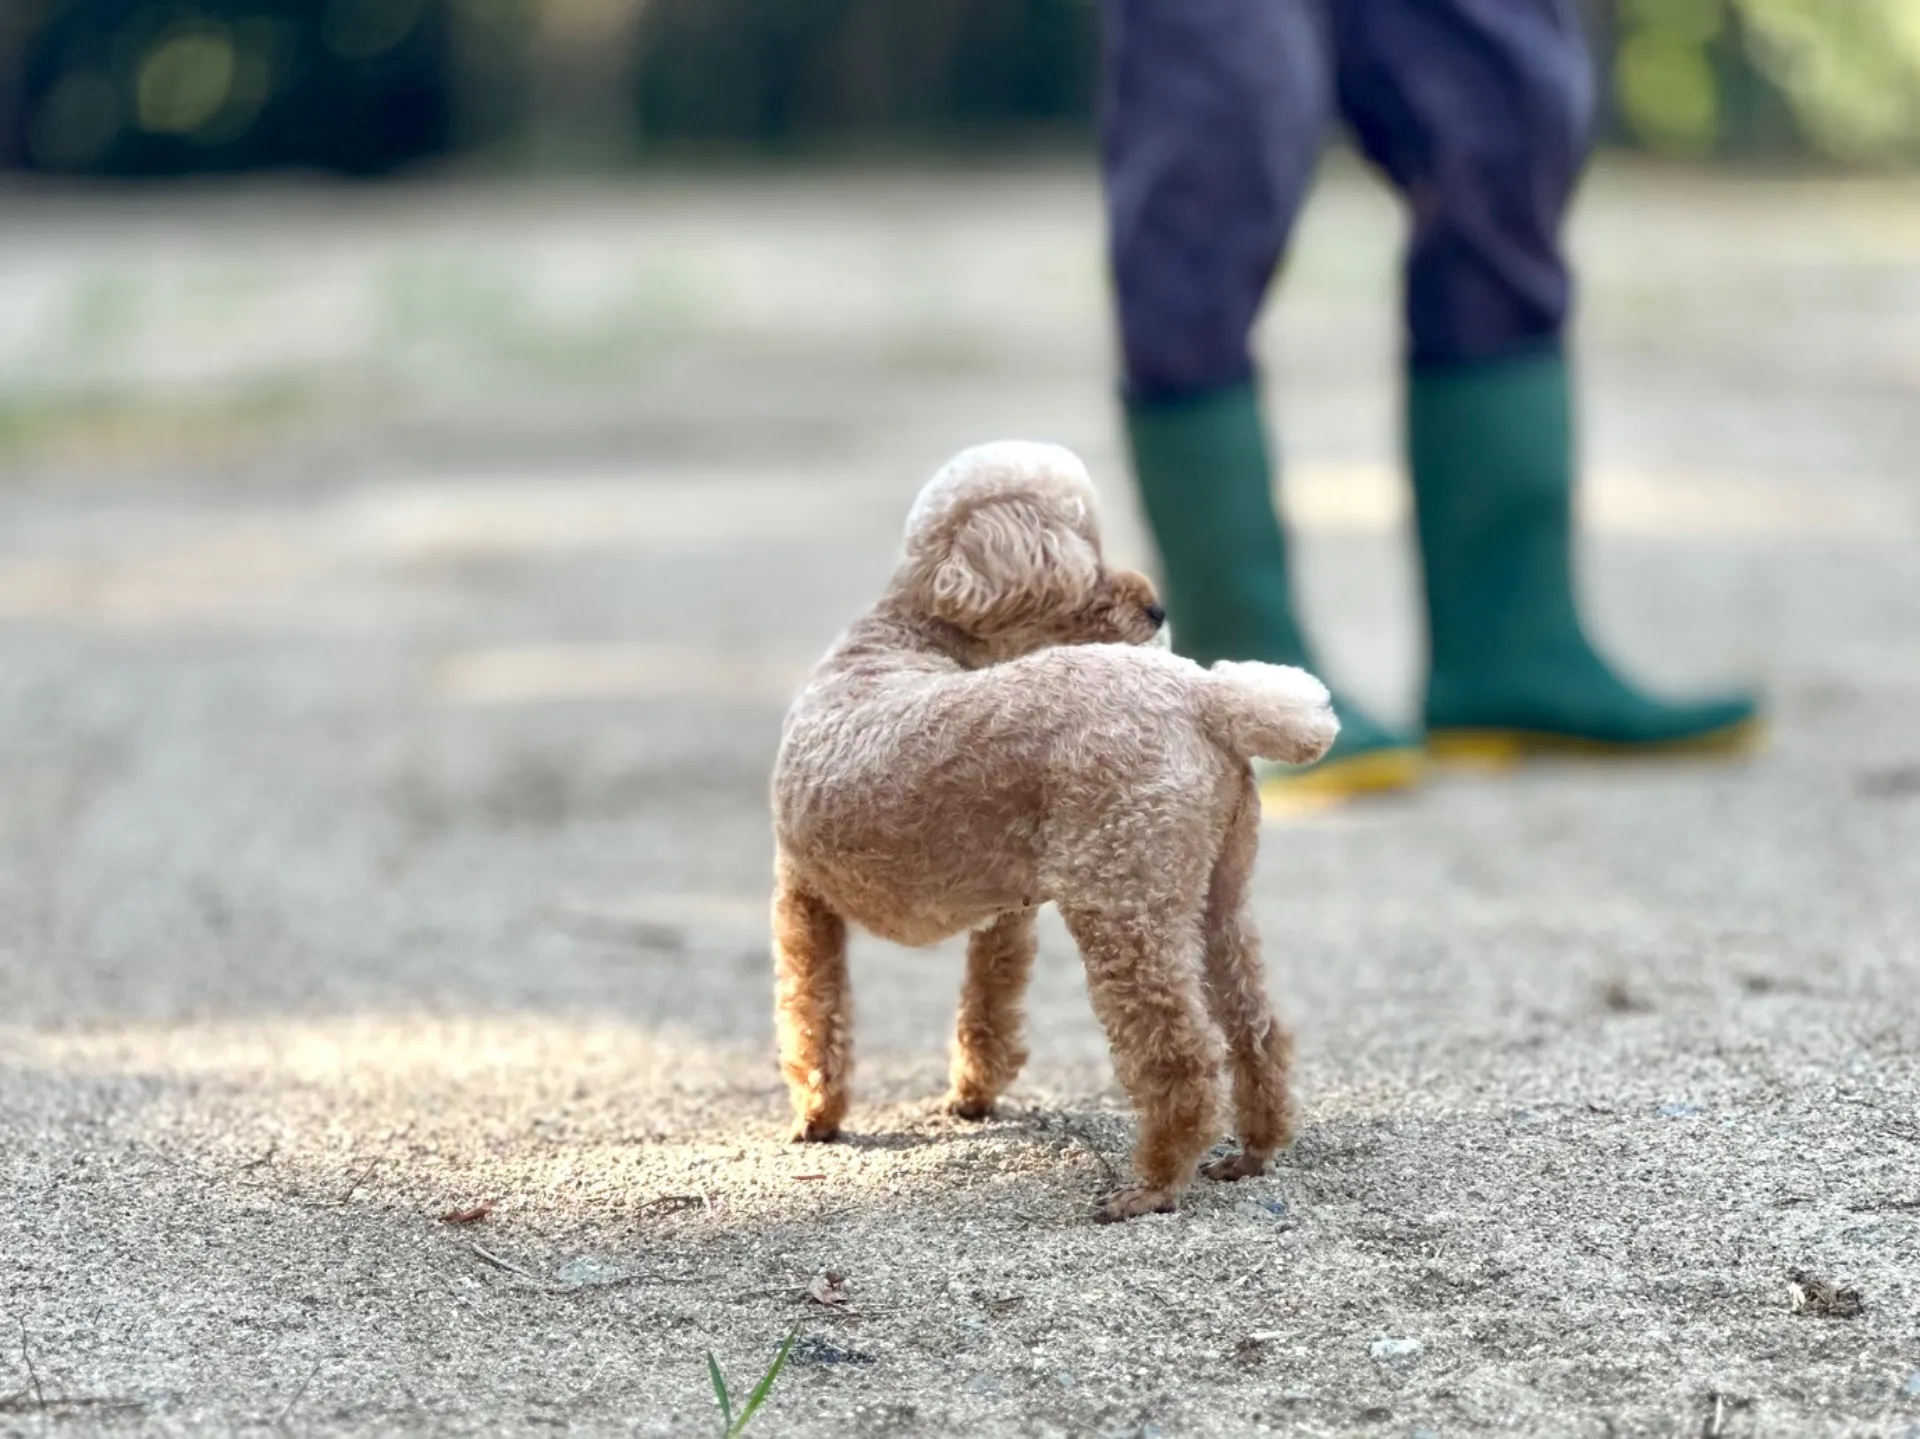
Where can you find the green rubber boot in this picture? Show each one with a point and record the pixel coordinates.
(1206, 483)
(1511, 671)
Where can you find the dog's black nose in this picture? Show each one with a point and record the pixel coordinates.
(1156, 614)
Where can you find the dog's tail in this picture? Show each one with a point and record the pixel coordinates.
(1268, 711)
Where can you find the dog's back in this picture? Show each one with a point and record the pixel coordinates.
(923, 798)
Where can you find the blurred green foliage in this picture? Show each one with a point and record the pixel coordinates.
(130, 87)
(784, 72)
(1840, 78)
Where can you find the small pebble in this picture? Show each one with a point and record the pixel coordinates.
(581, 1272)
(1262, 1208)
(1912, 1387)
(1395, 1353)
(1679, 1111)
(815, 1350)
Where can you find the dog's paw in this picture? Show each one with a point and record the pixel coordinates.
(967, 1106)
(1229, 1167)
(1132, 1203)
(813, 1131)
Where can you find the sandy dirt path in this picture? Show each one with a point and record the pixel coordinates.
(399, 593)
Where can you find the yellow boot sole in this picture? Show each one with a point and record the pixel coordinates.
(1499, 749)
(1333, 782)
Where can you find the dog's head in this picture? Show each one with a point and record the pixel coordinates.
(1003, 544)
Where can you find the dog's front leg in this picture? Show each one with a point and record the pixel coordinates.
(988, 1049)
(813, 1007)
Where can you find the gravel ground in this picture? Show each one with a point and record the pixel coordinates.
(399, 592)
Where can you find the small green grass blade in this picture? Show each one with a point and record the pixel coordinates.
(759, 1395)
(720, 1393)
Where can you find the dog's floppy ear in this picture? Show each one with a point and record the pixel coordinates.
(1008, 561)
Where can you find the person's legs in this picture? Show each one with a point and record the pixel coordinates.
(1479, 112)
(1211, 121)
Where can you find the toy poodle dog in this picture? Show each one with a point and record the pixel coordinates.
(999, 733)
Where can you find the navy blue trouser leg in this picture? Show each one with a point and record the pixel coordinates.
(1212, 113)
(1480, 113)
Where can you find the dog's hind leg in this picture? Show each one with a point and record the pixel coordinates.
(813, 1007)
(1141, 978)
(1259, 1046)
(988, 1049)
